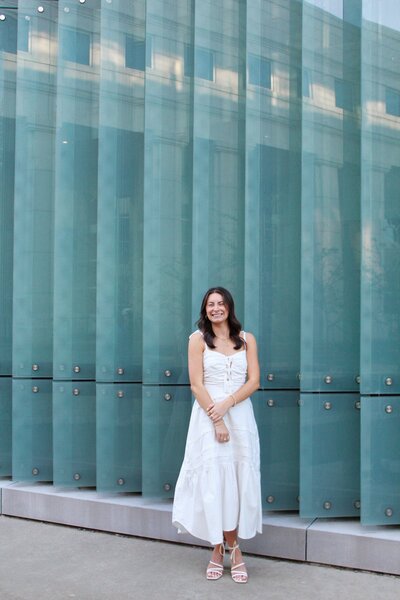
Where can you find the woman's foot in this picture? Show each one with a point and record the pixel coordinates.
(238, 568)
(215, 567)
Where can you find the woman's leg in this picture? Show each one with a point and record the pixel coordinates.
(216, 565)
(236, 557)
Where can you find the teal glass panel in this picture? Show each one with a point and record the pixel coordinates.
(74, 433)
(273, 188)
(34, 190)
(168, 157)
(329, 455)
(380, 460)
(76, 191)
(380, 283)
(5, 426)
(330, 254)
(120, 198)
(8, 44)
(278, 419)
(119, 437)
(218, 149)
(32, 430)
(166, 413)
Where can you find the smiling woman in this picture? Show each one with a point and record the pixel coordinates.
(218, 495)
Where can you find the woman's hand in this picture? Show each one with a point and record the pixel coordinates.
(221, 432)
(216, 412)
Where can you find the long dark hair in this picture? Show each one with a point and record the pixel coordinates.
(205, 326)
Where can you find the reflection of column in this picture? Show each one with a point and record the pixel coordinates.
(380, 283)
(34, 192)
(75, 241)
(120, 194)
(8, 32)
(272, 237)
(167, 197)
(76, 192)
(218, 139)
(329, 424)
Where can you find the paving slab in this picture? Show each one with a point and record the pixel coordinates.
(41, 561)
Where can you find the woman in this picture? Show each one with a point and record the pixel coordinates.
(218, 492)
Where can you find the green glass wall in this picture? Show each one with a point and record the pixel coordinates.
(151, 149)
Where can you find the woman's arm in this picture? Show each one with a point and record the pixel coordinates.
(195, 359)
(195, 363)
(252, 384)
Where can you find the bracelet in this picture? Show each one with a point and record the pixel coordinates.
(234, 399)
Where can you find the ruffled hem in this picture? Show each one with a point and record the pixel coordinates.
(216, 498)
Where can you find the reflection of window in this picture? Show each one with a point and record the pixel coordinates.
(303, 83)
(344, 94)
(75, 46)
(204, 64)
(393, 102)
(203, 61)
(259, 71)
(202, 58)
(8, 34)
(135, 53)
(188, 59)
(23, 35)
(306, 84)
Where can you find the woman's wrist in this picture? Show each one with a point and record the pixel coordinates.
(232, 400)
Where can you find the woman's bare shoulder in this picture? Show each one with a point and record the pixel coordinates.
(196, 340)
(249, 337)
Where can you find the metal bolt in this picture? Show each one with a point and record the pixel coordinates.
(327, 505)
(357, 504)
(35, 367)
(389, 512)
(35, 471)
(357, 404)
(328, 379)
(270, 402)
(327, 405)
(167, 373)
(35, 389)
(358, 379)
(167, 396)
(270, 499)
(121, 481)
(77, 476)
(40, 9)
(77, 369)
(120, 394)
(167, 487)
(270, 376)
(120, 371)
(75, 392)
(389, 381)
(389, 409)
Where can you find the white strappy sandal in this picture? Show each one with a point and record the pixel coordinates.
(237, 576)
(217, 569)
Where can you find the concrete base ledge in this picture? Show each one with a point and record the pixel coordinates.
(345, 543)
(339, 542)
(4, 482)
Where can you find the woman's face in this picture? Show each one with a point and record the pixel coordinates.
(216, 309)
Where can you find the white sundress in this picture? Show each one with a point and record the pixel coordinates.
(218, 487)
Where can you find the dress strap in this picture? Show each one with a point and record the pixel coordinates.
(243, 335)
(194, 333)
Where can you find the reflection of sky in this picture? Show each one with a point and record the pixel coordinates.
(335, 7)
(383, 12)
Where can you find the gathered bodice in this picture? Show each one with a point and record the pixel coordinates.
(227, 372)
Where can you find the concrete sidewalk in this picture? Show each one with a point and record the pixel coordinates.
(40, 561)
